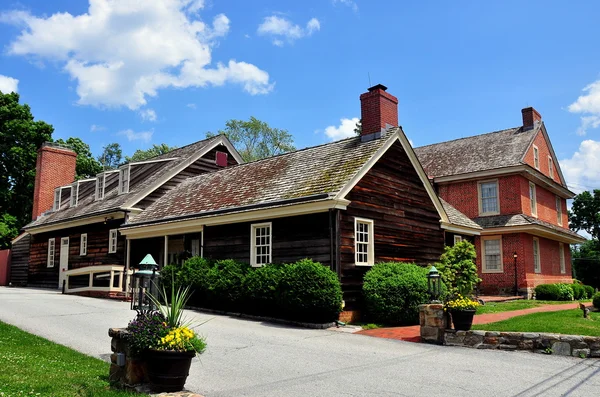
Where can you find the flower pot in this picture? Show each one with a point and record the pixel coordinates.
(168, 370)
(462, 319)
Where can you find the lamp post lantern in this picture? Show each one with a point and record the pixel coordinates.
(433, 285)
(516, 276)
(144, 284)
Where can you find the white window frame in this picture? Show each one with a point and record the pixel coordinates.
(457, 239)
(559, 214)
(370, 244)
(124, 176)
(100, 186)
(83, 240)
(537, 264)
(536, 157)
(57, 199)
(533, 199)
(480, 198)
(484, 268)
(74, 194)
(112, 241)
(561, 255)
(253, 246)
(551, 167)
(51, 252)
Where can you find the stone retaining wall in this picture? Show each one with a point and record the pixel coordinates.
(563, 345)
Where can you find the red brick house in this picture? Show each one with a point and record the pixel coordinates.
(509, 182)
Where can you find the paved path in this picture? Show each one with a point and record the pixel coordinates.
(412, 333)
(250, 358)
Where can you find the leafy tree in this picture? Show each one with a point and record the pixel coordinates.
(8, 230)
(458, 269)
(585, 213)
(586, 263)
(86, 165)
(358, 127)
(155, 150)
(255, 139)
(20, 138)
(111, 156)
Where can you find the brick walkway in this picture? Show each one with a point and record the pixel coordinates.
(411, 333)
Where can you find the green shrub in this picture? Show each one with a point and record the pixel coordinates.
(458, 269)
(393, 292)
(309, 291)
(596, 300)
(554, 292)
(589, 291)
(223, 284)
(578, 291)
(261, 288)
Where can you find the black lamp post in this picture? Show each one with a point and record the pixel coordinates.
(433, 285)
(516, 276)
(144, 284)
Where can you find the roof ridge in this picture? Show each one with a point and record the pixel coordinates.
(170, 152)
(468, 137)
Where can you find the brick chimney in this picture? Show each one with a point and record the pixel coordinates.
(530, 117)
(379, 110)
(55, 167)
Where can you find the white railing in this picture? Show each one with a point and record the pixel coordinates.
(96, 274)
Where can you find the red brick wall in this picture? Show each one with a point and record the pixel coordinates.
(544, 153)
(55, 167)
(378, 108)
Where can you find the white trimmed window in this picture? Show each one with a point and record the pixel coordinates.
(492, 255)
(561, 253)
(550, 167)
(124, 174)
(536, 157)
(74, 194)
(457, 239)
(83, 244)
(56, 205)
(533, 198)
(51, 252)
(537, 267)
(488, 198)
(364, 242)
(100, 185)
(112, 241)
(559, 211)
(260, 244)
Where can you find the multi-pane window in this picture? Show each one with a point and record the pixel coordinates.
(83, 244)
(550, 167)
(533, 199)
(457, 239)
(561, 253)
(363, 242)
(74, 194)
(56, 205)
(559, 211)
(100, 182)
(537, 267)
(124, 179)
(51, 252)
(112, 241)
(536, 157)
(488, 197)
(492, 255)
(261, 244)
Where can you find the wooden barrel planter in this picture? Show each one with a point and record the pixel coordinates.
(168, 370)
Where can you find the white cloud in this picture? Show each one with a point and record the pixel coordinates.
(589, 105)
(280, 28)
(8, 84)
(344, 130)
(581, 171)
(121, 52)
(96, 127)
(144, 136)
(147, 114)
(191, 105)
(349, 3)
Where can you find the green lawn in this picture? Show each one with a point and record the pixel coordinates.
(33, 366)
(570, 322)
(497, 307)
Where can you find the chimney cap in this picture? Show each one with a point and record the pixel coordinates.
(377, 87)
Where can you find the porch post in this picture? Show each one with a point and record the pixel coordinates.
(166, 255)
(127, 263)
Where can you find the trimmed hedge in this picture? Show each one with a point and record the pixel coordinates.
(393, 292)
(596, 300)
(578, 291)
(589, 291)
(301, 291)
(554, 292)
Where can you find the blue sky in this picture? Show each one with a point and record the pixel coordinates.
(139, 73)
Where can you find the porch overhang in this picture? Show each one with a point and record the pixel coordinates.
(536, 230)
(464, 230)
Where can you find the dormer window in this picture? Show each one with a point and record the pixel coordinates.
(124, 174)
(74, 194)
(56, 205)
(100, 185)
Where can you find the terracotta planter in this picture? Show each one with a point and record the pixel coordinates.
(462, 319)
(168, 370)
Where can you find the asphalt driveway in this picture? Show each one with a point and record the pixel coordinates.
(249, 358)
